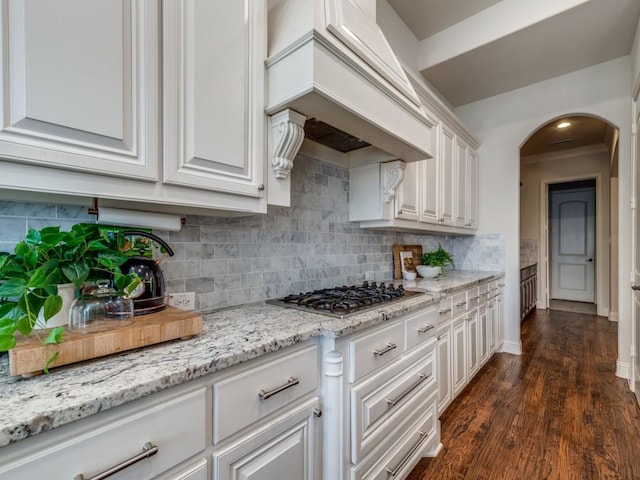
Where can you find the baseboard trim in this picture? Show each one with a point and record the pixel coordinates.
(602, 312)
(512, 347)
(622, 369)
(613, 316)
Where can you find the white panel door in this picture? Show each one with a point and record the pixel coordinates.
(430, 174)
(448, 190)
(573, 244)
(80, 85)
(471, 220)
(409, 192)
(285, 449)
(443, 349)
(635, 324)
(460, 203)
(459, 354)
(214, 120)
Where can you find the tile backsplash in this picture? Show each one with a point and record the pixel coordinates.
(236, 260)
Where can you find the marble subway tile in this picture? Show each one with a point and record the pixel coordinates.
(25, 209)
(250, 258)
(210, 268)
(12, 229)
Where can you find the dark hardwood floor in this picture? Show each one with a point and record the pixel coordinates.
(555, 412)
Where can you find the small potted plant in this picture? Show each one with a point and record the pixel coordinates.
(434, 262)
(45, 259)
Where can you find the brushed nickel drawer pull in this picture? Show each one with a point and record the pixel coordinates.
(290, 383)
(461, 304)
(394, 471)
(148, 450)
(388, 348)
(423, 377)
(446, 310)
(426, 328)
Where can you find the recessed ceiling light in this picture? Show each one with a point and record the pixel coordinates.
(563, 125)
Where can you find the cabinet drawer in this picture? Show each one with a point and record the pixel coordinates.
(445, 309)
(421, 327)
(371, 351)
(379, 403)
(473, 297)
(256, 392)
(176, 427)
(459, 301)
(418, 438)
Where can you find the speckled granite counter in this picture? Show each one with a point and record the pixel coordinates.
(230, 336)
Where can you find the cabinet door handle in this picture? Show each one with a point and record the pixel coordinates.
(501, 284)
(148, 450)
(394, 471)
(446, 310)
(425, 329)
(388, 348)
(461, 304)
(423, 377)
(290, 383)
(475, 298)
(635, 287)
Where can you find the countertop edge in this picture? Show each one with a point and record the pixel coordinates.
(115, 380)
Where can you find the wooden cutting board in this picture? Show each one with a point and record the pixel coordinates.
(29, 356)
(397, 266)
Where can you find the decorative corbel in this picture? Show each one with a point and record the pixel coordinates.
(287, 134)
(393, 174)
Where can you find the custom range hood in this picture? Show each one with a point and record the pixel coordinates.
(329, 62)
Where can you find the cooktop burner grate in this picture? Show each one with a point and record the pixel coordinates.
(342, 301)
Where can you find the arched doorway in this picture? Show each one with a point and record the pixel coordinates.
(560, 163)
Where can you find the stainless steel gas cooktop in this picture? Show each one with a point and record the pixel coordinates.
(343, 301)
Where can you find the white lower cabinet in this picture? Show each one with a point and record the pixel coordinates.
(266, 418)
(417, 433)
(473, 352)
(443, 349)
(285, 448)
(466, 342)
(483, 335)
(170, 430)
(459, 354)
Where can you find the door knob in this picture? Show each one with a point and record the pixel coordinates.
(590, 260)
(635, 287)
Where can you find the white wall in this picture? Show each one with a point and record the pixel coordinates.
(566, 166)
(504, 122)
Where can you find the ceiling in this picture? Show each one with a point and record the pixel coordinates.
(583, 132)
(474, 49)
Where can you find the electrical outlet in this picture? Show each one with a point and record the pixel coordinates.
(184, 301)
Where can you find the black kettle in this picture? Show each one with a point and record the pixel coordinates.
(149, 296)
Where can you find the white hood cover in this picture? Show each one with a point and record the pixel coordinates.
(329, 60)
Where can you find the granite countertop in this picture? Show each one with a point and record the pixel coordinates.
(230, 336)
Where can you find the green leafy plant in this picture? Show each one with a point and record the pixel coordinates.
(437, 258)
(29, 277)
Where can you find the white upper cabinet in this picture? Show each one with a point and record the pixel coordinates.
(446, 182)
(438, 194)
(461, 183)
(408, 196)
(145, 104)
(213, 73)
(79, 85)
